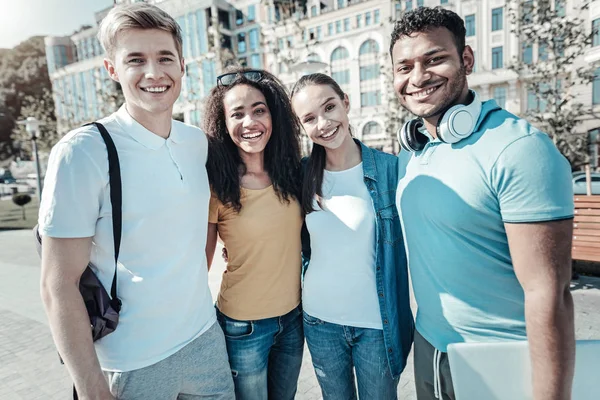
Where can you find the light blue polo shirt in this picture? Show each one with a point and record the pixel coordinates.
(453, 202)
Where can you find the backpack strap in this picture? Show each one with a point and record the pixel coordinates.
(114, 175)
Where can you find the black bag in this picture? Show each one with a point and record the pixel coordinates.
(102, 309)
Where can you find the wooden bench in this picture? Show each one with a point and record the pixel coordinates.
(586, 228)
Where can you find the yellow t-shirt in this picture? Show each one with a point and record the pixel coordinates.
(263, 246)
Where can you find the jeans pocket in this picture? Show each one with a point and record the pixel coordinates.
(310, 320)
(234, 329)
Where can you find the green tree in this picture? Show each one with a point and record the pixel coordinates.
(23, 77)
(41, 108)
(552, 71)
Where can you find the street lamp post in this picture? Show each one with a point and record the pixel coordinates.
(32, 126)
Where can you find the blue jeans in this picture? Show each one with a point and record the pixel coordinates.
(265, 355)
(335, 349)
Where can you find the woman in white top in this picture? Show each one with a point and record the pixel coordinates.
(355, 295)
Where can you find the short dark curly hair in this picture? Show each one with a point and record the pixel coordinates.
(424, 19)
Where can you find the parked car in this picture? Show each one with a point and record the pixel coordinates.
(579, 184)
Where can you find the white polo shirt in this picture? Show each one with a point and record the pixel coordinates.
(162, 273)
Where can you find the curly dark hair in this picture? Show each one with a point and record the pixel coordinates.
(282, 152)
(424, 19)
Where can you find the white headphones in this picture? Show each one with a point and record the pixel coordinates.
(457, 123)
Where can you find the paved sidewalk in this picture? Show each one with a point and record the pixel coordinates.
(29, 367)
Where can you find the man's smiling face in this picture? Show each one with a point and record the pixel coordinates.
(429, 73)
(149, 68)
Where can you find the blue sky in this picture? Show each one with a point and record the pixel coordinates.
(21, 19)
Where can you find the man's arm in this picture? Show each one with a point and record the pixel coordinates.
(63, 262)
(211, 243)
(541, 255)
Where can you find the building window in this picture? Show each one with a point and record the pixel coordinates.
(398, 10)
(443, 1)
(367, 19)
(290, 41)
(497, 58)
(369, 72)
(500, 95)
(542, 52)
(376, 16)
(470, 24)
(358, 20)
(420, 3)
(497, 19)
(255, 61)
(409, 5)
(370, 99)
(596, 87)
(239, 17)
(527, 12)
(330, 29)
(340, 53)
(596, 32)
(339, 67)
(253, 39)
(346, 24)
(527, 56)
(340, 3)
(251, 13)
(318, 33)
(369, 46)
(536, 99)
(594, 146)
(241, 37)
(338, 26)
(372, 128)
(313, 11)
(341, 77)
(559, 7)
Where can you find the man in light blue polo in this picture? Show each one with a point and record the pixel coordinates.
(486, 204)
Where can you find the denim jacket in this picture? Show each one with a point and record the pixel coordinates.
(381, 178)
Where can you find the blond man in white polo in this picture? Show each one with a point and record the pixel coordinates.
(167, 344)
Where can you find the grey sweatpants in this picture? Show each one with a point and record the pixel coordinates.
(200, 370)
(425, 371)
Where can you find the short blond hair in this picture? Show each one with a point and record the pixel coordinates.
(136, 16)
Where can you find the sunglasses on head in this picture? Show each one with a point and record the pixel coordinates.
(229, 78)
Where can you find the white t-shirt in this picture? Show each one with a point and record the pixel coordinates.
(162, 273)
(340, 285)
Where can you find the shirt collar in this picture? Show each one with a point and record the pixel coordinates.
(368, 159)
(141, 134)
(487, 107)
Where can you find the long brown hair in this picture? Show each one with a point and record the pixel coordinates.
(312, 183)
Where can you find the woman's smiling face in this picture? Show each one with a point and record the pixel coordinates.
(248, 118)
(323, 115)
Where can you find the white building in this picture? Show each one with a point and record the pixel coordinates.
(351, 37)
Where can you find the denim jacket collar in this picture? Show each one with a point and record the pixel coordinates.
(368, 159)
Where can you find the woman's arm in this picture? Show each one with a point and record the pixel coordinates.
(211, 243)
